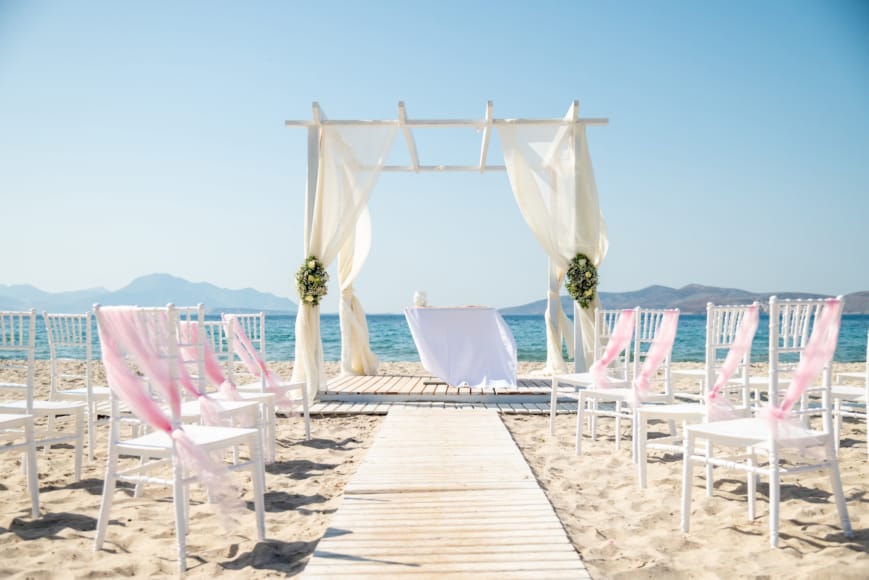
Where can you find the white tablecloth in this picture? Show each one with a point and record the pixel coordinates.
(464, 346)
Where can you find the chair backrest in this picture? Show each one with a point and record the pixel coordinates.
(648, 322)
(69, 336)
(191, 345)
(604, 323)
(792, 325)
(253, 327)
(144, 340)
(17, 344)
(722, 325)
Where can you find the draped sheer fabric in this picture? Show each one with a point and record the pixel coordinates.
(720, 408)
(817, 354)
(356, 355)
(350, 161)
(124, 330)
(255, 364)
(551, 175)
(662, 346)
(619, 340)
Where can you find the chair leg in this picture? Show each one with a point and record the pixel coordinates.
(79, 441)
(836, 485)
(553, 402)
(710, 476)
(774, 496)
(641, 448)
(106, 502)
(258, 477)
(180, 500)
(618, 409)
(307, 411)
(580, 407)
(752, 485)
(687, 476)
(32, 470)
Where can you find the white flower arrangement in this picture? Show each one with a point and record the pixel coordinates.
(311, 281)
(582, 280)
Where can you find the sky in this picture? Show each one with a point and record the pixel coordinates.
(148, 136)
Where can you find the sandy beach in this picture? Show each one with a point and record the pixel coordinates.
(620, 530)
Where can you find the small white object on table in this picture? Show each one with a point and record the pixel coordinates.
(469, 345)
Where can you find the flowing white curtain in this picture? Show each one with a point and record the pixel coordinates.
(356, 355)
(350, 161)
(552, 179)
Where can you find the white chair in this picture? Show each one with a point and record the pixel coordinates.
(852, 400)
(624, 396)
(18, 346)
(778, 434)
(200, 406)
(604, 322)
(219, 356)
(723, 325)
(172, 454)
(251, 353)
(16, 432)
(70, 337)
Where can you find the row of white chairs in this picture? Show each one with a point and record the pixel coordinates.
(792, 324)
(219, 408)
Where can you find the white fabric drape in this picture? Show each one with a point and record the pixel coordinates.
(350, 161)
(356, 355)
(550, 172)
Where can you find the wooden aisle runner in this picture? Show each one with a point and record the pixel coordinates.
(444, 492)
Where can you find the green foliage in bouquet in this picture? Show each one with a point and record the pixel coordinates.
(311, 281)
(581, 280)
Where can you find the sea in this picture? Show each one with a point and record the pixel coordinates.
(391, 339)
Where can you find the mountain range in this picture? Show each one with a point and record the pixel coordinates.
(690, 299)
(160, 289)
(151, 290)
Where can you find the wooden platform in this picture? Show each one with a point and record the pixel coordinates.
(444, 492)
(382, 388)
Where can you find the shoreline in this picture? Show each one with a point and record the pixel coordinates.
(618, 529)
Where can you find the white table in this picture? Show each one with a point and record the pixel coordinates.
(464, 346)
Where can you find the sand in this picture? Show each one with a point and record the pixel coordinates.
(618, 529)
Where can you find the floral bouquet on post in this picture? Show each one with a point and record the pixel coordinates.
(581, 280)
(311, 281)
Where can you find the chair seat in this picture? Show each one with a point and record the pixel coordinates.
(755, 432)
(192, 409)
(81, 393)
(159, 443)
(43, 408)
(282, 386)
(849, 392)
(621, 394)
(689, 372)
(680, 411)
(12, 419)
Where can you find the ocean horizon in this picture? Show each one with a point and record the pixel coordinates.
(391, 340)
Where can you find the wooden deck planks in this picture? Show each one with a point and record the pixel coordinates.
(444, 492)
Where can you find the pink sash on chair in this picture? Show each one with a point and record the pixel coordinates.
(256, 365)
(818, 352)
(619, 340)
(719, 408)
(662, 346)
(210, 408)
(122, 329)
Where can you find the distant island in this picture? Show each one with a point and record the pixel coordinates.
(689, 299)
(160, 289)
(150, 290)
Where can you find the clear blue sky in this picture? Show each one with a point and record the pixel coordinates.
(141, 137)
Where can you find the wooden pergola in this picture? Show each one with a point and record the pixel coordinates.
(565, 127)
